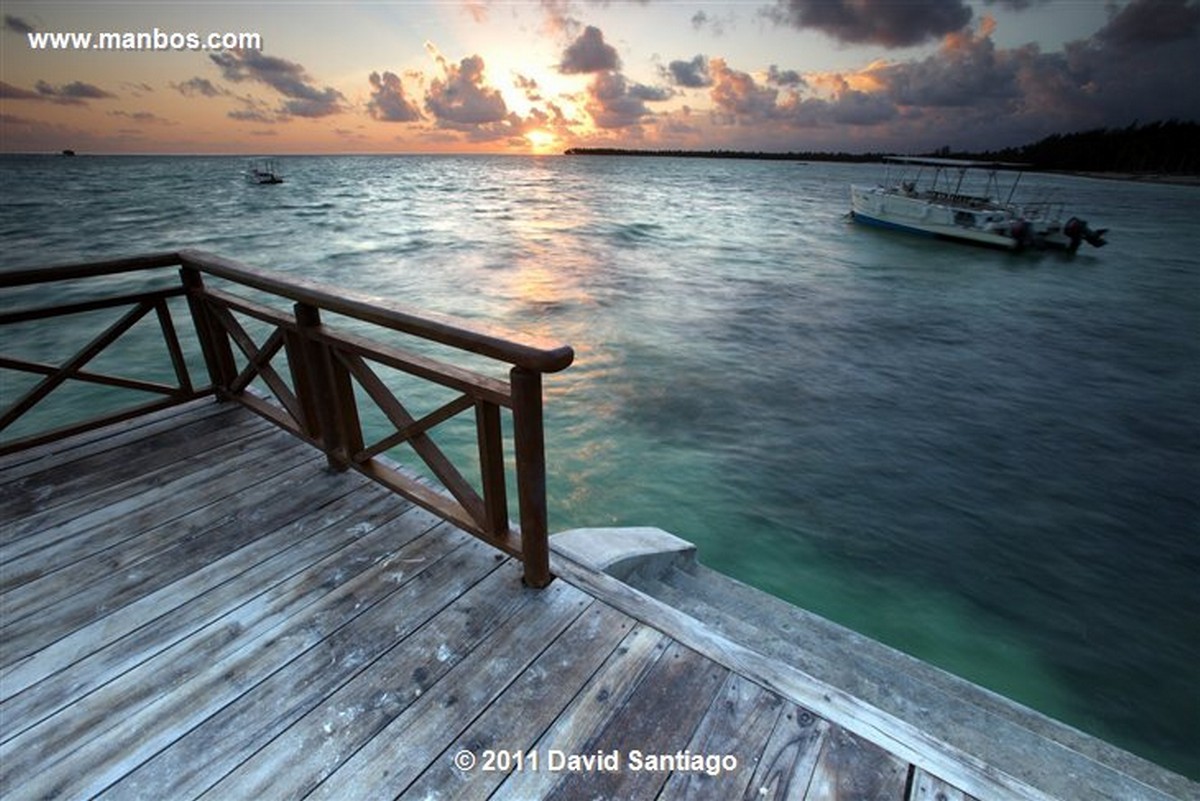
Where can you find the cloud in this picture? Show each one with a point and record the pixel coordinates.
(10, 92)
(201, 87)
(251, 114)
(615, 102)
(589, 53)
(702, 19)
(737, 95)
(965, 71)
(1151, 22)
(971, 93)
(882, 22)
(388, 102)
(254, 110)
(1016, 5)
(17, 25)
(463, 101)
(285, 77)
(690, 74)
(76, 93)
(142, 117)
(529, 86)
(784, 77)
(560, 18)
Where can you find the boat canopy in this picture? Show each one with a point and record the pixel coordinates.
(930, 161)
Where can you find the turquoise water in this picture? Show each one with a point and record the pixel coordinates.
(990, 461)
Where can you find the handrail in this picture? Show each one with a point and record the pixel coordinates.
(321, 402)
(513, 348)
(521, 350)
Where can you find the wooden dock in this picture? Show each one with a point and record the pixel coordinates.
(171, 633)
(194, 606)
(222, 594)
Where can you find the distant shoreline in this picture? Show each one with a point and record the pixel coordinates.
(1181, 179)
(722, 154)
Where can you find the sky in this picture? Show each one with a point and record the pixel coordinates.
(493, 76)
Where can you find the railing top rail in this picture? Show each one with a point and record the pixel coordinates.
(531, 352)
(535, 353)
(90, 269)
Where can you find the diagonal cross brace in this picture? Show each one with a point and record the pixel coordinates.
(72, 366)
(413, 431)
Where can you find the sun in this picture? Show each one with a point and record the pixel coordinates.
(541, 141)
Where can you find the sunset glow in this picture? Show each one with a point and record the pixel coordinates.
(491, 76)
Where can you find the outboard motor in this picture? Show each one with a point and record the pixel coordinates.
(1077, 231)
(1022, 232)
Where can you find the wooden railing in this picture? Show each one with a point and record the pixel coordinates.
(315, 398)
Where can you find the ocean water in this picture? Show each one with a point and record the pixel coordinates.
(991, 461)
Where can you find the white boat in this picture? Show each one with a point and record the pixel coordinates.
(934, 197)
(263, 172)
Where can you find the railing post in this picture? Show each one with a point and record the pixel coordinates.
(214, 343)
(329, 392)
(302, 363)
(491, 468)
(529, 445)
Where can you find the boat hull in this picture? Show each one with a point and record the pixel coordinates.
(913, 215)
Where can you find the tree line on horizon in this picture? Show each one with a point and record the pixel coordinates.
(1170, 147)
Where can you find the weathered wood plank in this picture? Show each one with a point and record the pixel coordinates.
(35, 612)
(287, 723)
(786, 764)
(92, 656)
(75, 476)
(109, 732)
(63, 544)
(738, 725)
(605, 693)
(852, 769)
(181, 483)
(345, 721)
(391, 761)
(19, 464)
(902, 738)
(660, 717)
(927, 787)
(528, 706)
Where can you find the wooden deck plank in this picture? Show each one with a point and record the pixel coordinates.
(19, 464)
(203, 672)
(281, 734)
(738, 724)
(92, 656)
(903, 738)
(145, 496)
(660, 717)
(74, 476)
(852, 769)
(528, 707)
(58, 548)
(785, 768)
(589, 710)
(53, 605)
(927, 787)
(307, 753)
(393, 759)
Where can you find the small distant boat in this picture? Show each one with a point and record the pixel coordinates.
(263, 172)
(933, 202)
